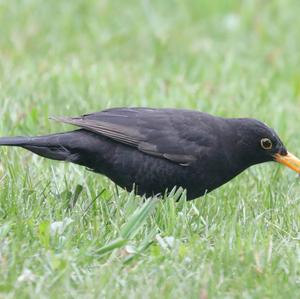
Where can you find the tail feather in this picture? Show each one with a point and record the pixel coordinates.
(50, 146)
(14, 141)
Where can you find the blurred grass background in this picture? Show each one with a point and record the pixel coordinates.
(230, 58)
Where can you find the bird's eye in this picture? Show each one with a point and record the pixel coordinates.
(266, 143)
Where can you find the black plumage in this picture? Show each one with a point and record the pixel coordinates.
(154, 150)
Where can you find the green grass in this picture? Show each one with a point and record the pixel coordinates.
(69, 233)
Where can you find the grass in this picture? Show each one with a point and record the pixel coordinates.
(69, 233)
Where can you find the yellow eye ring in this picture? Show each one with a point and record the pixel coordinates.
(266, 143)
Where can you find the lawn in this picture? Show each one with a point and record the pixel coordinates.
(66, 232)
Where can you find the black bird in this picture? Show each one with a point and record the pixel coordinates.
(155, 150)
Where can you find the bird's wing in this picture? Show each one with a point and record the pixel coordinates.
(164, 133)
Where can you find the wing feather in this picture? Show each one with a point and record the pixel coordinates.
(148, 132)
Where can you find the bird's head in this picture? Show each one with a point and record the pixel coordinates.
(259, 144)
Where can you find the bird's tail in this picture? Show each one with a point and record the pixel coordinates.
(13, 141)
(55, 146)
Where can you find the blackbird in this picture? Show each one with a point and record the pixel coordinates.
(152, 151)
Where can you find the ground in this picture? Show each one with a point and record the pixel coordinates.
(66, 232)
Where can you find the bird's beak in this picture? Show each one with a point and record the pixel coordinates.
(289, 160)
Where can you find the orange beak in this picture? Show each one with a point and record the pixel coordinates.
(289, 160)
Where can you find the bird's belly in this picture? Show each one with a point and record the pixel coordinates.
(149, 175)
(146, 174)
